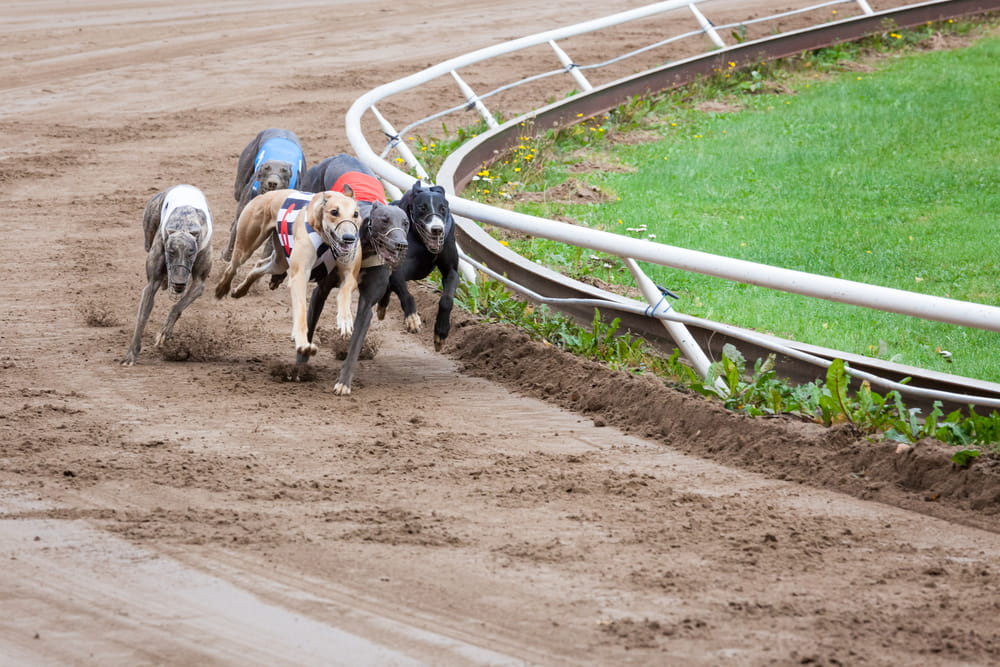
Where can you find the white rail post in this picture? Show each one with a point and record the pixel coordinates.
(658, 303)
(474, 100)
(865, 7)
(707, 26)
(400, 145)
(571, 67)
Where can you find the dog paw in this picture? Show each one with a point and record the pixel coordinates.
(380, 312)
(438, 343)
(413, 323)
(129, 360)
(161, 338)
(307, 350)
(342, 389)
(346, 327)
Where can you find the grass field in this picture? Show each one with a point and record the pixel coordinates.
(887, 175)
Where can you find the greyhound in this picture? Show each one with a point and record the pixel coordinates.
(431, 244)
(383, 245)
(313, 236)
(273, 160)
(177, 225)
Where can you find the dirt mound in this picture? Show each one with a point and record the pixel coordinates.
(921, 477)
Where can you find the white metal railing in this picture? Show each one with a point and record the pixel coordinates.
(871, 296)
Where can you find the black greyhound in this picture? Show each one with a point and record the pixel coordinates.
(431, 243)
(384, 234)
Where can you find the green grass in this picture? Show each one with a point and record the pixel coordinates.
(889, 177)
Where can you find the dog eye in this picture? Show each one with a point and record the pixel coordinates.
(334, 212)
(356, 214)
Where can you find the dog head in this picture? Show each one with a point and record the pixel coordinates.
(386, 227)
(429, 212)
(182, 237)
(338, 220)
(273, 175)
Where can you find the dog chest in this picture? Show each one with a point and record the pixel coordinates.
(294, 206)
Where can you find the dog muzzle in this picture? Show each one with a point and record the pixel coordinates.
(390, 251)
(178, 277)
(432, 233)
(343, 245)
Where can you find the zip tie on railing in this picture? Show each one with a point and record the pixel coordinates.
(393, 140)
(571, 68)
(707, 26)
(474, 101)
(408, 157)
(651, 310)
(740, 334)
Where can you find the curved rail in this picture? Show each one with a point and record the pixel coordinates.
(575, 297)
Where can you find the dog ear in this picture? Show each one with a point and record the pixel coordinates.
(437, 188)
(349, 191)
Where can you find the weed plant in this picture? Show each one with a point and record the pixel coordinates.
(754, 393)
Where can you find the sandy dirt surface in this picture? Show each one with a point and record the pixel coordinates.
(497, 503)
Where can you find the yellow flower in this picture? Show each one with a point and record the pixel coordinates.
(504, 243)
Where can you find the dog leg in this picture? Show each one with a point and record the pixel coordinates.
(316, 303)
(302, 259)
(274, 263)
(348, 283)
(442, 325)
(145, 308)
(372, 285)
(227, 252)
(345, 320)
(193, 291)
(156, 276)
(241, 253)
(410, 317)
(199, 274)
(383, 304)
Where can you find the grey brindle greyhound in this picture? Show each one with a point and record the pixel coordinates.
(177, 225)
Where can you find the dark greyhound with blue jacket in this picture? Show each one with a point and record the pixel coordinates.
(272, 161)
(431, 243)
(383, 245)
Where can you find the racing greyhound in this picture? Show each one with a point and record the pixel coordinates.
(273, 160)
(383, 246)
(313, 236)
(177, 225)
(431, 244)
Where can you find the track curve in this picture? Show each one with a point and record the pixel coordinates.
(204, 512)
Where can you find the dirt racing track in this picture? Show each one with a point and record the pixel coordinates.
(496, 503)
